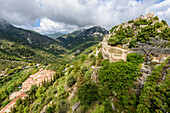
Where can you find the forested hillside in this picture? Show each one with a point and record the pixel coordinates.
(127, 72)
(79, 40)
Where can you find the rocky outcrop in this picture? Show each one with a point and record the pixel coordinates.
(94, 75)
(73, 93)
(149, 15)
(75, 106)
(145, 71)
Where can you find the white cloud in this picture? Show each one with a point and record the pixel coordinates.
(162, 10)
(48, 26)
(68, 15)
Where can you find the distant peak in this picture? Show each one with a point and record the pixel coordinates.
(3, 23)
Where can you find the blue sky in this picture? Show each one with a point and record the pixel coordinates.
(37, 23)
(50, 16)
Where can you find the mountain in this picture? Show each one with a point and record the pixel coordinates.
(108, 77)
(55, 35)
(26, 44)
(25, 36)
(81, 39)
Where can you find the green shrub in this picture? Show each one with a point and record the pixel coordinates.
(5, 103)
(62, 106)
(137, 23)
(156, 18)
(88, 74)
(143, 21)
(94, 61)
(124, 41)
(12, 71)
(88, 93)
(150, 22)
(99, 46)
(158, 25)
(100, 56)
(105, 62)
(132, 43)
(83, 58)
(113, 40)
(113, 28)
(164, 22)
(70, 81)
(118, 75)
(63, 95)
(130, 21)
(135, 58)
(40, 91)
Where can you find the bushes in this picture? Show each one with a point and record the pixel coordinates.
(12, 71)
(164, 22)
(83, 58)
(113, 28)
(100, 56)
(135, 58)
(137, 23)
(113, 40)
(158, 25)
(70, 81)
(132, 43)
(62, 106)
(154, 97)
(118, 75)
(141, 22)
(88, 93)
(124, 41)
(156, 18)
(130, 21)
(146, 34)
(117, 79)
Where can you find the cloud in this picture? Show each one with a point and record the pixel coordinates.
(162, 10)
(68, 15)
(20, 11)
(48, 26)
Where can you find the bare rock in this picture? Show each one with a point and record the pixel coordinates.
(146, 69)
(94, 75)
(149, 15)
(163, 59)
(75, 106)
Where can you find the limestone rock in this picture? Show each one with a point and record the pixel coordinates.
(146, 69)
(163, 59)
(94, 75)
(149, 15)
(75, 106)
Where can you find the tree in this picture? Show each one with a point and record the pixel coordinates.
(152, 47)
(70, 81)
(26, 110)
(88, 93)
(113, 40)
(40, 91)
(135, 58)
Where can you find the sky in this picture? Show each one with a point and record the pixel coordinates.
(50, 16)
